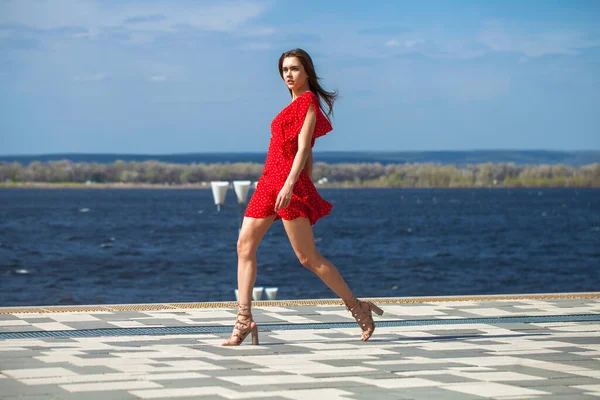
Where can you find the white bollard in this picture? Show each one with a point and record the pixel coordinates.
(241, 190)
(219, 191)
(257, 293)
(271, 293)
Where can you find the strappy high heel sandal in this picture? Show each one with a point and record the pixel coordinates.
(243, 326)
(361, 311)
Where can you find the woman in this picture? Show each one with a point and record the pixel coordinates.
(285, 191)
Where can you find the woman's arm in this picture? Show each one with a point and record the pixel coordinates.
(304, 151)
(309, 163)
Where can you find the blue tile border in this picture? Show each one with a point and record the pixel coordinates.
(276, 327)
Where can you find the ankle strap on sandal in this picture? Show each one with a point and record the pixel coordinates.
(244, 309)
(352, 303)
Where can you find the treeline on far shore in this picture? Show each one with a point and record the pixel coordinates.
(409, 175)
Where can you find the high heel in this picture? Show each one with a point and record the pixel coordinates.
(243, 326)
(361, 311)
(375, 309)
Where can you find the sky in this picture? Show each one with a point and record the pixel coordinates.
(166, 77)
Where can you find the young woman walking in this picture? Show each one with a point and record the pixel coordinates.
(285, 191)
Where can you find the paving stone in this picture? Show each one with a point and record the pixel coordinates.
(315, 361)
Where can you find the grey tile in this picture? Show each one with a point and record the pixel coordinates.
(8, 317)
(103, 395)
(529, 370)
(430, 393)
(416, 367)
(588, 364)
(11, 387)
(6, 355)
(89, 325)
(582, 340)
(19, 328)
(446, 378)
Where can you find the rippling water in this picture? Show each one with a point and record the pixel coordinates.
(80, 246)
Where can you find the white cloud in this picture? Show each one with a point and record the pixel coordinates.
(88, 78)
(493, 37)
(224, 16)
(497, 38)
(158, 78)
(403, 43)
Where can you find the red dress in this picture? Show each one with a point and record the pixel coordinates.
(285, 128)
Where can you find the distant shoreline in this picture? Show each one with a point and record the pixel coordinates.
(341, 185)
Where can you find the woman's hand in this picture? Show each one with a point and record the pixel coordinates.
(284, 197)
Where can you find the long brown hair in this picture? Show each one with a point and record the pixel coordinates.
(313, 79)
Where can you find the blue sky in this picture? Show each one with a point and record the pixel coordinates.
(160, 77)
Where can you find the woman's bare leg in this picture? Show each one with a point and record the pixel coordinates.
(252, 232)
(301, 237)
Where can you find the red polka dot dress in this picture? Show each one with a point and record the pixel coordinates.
(285, 128)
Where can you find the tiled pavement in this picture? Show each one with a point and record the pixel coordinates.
(522, 348)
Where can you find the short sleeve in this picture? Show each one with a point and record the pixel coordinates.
(322, 125)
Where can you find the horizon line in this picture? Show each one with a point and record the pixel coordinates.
(316, 151)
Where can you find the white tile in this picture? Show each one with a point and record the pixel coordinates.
(13, 322)
(403, 383)
(327, 346)
(72, 317)
(171, 376)
(127, 324)
(490, 361)
(37, 372)
(317, 368)
(172, 393)
(392, 383)
(52, 326)
(578, 328)
(174, 350)
(210, 314)
(414, 311)
(449, 345)
(294, 336)
(408, 360)
(312, 394)
(194, 365)
(524, 352)
(250, 380)
(476, 369)
(27, 316)
(293, 319)
(488, 312)
(7, 349)
(55, 380)
(366, 352)
(491, 389)
(275, 309)
(590, 353)
(497, 376)
(424, 372)
(589, 373)
(109, 386)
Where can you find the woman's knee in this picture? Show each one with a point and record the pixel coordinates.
(245, 246)
(310, 261)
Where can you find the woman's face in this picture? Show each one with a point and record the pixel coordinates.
(293, 74)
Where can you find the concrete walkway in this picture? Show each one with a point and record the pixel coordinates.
(479, 347)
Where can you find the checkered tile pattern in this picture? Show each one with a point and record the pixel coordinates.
(455, 361)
